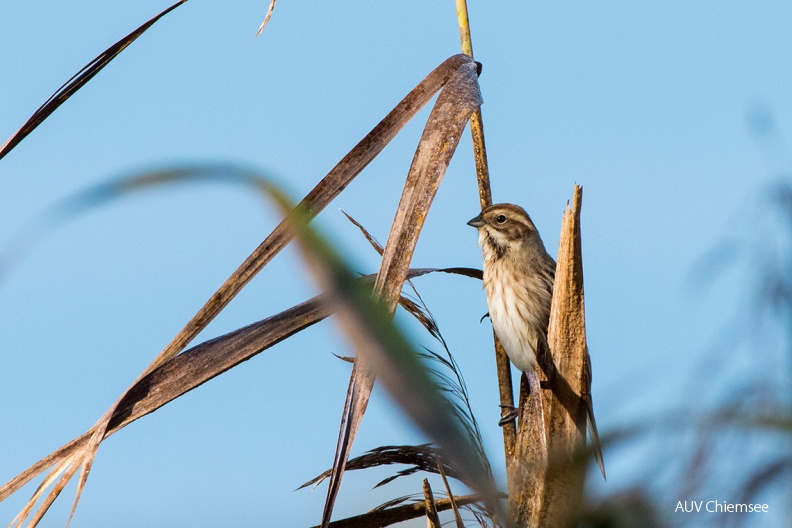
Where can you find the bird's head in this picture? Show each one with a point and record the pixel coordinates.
(503, 225)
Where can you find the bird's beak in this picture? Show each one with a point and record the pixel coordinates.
(476, 222)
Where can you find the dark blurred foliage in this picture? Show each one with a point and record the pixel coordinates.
(731, 440)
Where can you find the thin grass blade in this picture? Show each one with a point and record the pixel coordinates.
(454, 505)
(77, 81)
(369, 237)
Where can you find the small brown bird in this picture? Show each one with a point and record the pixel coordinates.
(518, 281)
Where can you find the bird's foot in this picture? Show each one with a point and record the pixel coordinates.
(511, 415)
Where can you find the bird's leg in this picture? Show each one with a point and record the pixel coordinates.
(538, 407)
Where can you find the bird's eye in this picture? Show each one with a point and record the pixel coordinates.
(500, 219)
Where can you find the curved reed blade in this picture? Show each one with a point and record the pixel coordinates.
(77, 81)
(448, 118)
(315, 201)
(319, 197)
(422, 457)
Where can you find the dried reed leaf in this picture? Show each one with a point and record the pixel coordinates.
(77, 81)
(321, 195)
(455, 388)
(188, 370)
(371, 240)
(568, 332)
(423, 457)
(458, 99)
(62, 467)
(182, 374)
(266, 18)
(454, 505)
(346, 359)
(316, 200)
(395, 502)
(432, 519)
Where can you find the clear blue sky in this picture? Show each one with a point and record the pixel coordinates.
(647, 107)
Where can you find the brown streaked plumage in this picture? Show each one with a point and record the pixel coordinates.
(518, 281)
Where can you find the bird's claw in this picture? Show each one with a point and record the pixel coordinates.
(510, 415)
